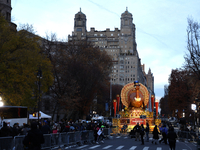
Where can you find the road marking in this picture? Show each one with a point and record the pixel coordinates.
(125, 137)
(81, 146)
(159, 148)
(133, 147)
(93, 147)
(145, 148)
(107, 147)
(118, 137)
(120, 147)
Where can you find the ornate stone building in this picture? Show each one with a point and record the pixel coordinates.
(120, 44)
(5, 10)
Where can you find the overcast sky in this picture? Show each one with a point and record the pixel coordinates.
(160, 26)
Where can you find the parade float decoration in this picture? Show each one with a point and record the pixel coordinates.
(139, 106)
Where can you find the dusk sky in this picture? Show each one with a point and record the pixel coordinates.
(160, 26)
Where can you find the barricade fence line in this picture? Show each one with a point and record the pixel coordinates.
(66, 139)
(187, 135)
(6, 143)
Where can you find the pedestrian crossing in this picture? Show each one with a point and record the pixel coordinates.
(121, 147)
(125, 137)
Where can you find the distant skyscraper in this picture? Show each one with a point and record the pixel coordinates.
(120, 45)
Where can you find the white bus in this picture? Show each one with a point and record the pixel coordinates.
(13, 114)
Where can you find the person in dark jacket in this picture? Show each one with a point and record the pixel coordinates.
(147, 132)
(142, 134)
(136, 129)
(46, 128)
(5, 130)
(67, 128)
(34, 138)
(25, 129)
(172, 138)
(15, 130)
(155, 134)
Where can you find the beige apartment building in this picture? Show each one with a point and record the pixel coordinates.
(120, 44)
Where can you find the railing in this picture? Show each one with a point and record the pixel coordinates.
(187, 135)
(58, 140)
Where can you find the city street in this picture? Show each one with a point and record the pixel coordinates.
(127, 143)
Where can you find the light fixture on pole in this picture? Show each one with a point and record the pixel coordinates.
(39, 76)
(1, 103)
(197, 102)
(194, 108)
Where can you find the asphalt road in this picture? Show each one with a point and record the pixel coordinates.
(124, 142)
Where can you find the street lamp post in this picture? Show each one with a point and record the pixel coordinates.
(193, 107)
(39, 76)
(1, 103)
(197, 101)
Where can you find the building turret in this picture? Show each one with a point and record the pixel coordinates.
(5, 9)
(127, 33)
(150, 80)
(126, 21)
(80, 24)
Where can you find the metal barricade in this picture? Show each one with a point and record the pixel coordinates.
(18, 140)
(106, 132)
(91, 136)
(187, 135)
(78, 137)
(85, 136)
(47, 142)
(55, 140)
(6, 143)
(72, 138)
(64, 139)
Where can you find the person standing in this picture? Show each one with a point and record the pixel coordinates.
(123, 129)
(142, 133)
(96, 128)
(155, 134)
(147, 132)
(172, 138)
(100, 134)
(15, 130)
(46, 128)
(164, 132)
(137, 132)
(5, 130)
(34, 138)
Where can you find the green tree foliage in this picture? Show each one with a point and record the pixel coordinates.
(20, 58)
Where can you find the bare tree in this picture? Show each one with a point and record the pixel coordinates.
(192, 58)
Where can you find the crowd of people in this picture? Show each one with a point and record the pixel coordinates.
(48, 127)
(36, 130)
(168, 134)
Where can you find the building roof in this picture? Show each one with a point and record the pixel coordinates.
(126, 13)
(80, 15)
